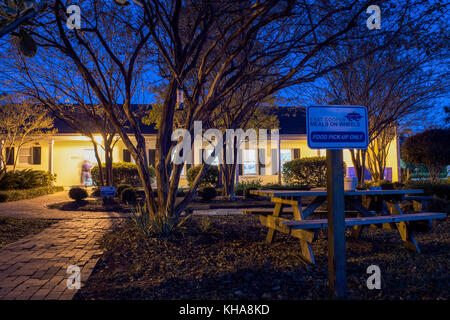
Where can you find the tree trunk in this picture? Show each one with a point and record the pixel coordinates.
(99, 163)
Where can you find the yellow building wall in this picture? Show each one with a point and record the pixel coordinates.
(68, 156)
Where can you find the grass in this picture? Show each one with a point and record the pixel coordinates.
(13, 229)
(226, 257)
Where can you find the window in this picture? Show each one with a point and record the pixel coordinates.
(296, 153)
(249, 161)
(25, 155)
(9, 154)
(36, 155)
(285, 156)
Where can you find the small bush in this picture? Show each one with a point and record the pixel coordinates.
(121, 188)
(208, 193)
(209, 180)
(78, 194)
(26, 179)
(306, 171)
(15, 195)
(123, 173)
(128, 196)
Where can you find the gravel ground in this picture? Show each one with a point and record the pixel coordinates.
(225, 257)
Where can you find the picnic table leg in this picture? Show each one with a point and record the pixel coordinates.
(402, 227)
(363, 211)
(276, 213)
(305, 246)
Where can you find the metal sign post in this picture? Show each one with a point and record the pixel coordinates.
(336, 128)
(336, 223)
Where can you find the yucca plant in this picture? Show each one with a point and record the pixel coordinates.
(158, 225)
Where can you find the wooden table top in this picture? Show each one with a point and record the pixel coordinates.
(316, 193)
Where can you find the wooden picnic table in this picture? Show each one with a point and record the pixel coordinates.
(358, 200)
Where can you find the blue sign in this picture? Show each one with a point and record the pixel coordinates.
(337, 127)
(107, 191)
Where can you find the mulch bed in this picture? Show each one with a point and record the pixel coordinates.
(13, 229)
(92, 205)
(225, 257)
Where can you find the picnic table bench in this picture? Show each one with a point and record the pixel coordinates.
(391, 216)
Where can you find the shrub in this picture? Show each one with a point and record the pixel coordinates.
(14, 195)
(438, 189)
(208, 193)
(26, 179)
(123, 173)
(240, 187)
(121, 188)
(209, 180)
(306, 171)
(128, 196)
(78, 194)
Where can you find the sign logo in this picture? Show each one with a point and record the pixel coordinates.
(337, 127)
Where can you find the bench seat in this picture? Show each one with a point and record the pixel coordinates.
(323, 223)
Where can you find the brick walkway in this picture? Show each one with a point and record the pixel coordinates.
(35, 267)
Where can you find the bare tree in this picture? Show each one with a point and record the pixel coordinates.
(394, 84)
(207, 50)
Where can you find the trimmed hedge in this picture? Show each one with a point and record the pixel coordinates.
(14, 195)
(208, 193)
(209, 180)
(128, 196)
(306, 171)
(26, 179)
(123, 173)
(438, 189)
(276, 186)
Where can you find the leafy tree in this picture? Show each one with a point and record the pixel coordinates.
(22, 123)
(430, 148)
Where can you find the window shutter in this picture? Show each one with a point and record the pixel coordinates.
(126, 156)
(152, 157)
(9, 156)
(274, 160)
(261, 162)
(296, 153)
(36, 155)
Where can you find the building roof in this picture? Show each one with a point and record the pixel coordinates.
(292, 120)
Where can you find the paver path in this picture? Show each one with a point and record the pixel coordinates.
(36, 208)
(35, 267)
